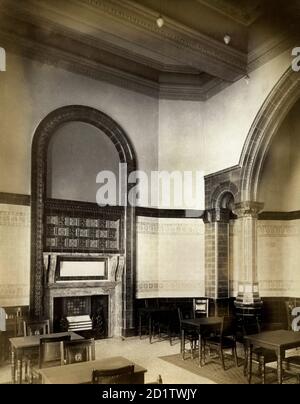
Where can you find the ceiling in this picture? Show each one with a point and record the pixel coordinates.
(118, 41)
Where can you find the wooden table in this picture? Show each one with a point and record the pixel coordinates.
(20, 345)
(81, 373)
(197, 325)
(278, 341)
(150, 313)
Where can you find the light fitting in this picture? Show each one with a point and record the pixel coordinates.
(247, 79)
(227, 39)
(160, 22)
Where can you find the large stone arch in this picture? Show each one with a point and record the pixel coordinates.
(40, 143)
(271, 115)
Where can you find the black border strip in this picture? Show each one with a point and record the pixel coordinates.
(15, 199)
(169, 213)
(279, 215)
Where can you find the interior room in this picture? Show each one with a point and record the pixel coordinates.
(149, 192)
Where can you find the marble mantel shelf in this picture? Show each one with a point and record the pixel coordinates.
(83, 285)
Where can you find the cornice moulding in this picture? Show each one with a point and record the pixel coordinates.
(201, 50)
(78, 65)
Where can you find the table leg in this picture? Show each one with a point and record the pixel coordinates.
(246, 359)
(280, 356)
(200, 350)
(140, 326)
(150, 329)
(19, 371)
(250, 351)
(13, 365)
(182, 345)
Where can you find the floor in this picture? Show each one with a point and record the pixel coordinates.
(143, 353)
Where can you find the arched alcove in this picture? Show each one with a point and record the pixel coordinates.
(278, 229)
(265, 126)
(77, 152)
(279, 182)
(93, 123)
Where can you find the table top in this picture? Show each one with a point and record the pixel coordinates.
(198, 322)
(34, 340)
(81, 373)
(276, 339)
(156, 310)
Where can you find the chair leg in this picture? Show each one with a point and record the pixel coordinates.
(192, 349)
(235, 356)
(250, 367)
(263, 370)
(245, 361)
(222, 358)
(203, 352)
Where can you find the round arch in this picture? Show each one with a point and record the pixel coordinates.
(41, 139)
(271, 115)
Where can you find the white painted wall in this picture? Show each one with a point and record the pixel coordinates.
(29, 91)
(228, 116)
(181, 142)
(279, 186)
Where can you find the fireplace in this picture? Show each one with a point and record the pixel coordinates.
(94, 308)
(78, 285)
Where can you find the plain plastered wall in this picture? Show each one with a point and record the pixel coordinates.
(76, 154)
(29, 91)
(228, 116)
(279, 186)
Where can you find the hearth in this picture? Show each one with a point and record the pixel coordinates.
(94, 308)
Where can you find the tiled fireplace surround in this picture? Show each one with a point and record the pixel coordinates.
(112, 287)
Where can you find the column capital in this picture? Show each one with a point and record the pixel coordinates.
(248, 209)
(217, 215)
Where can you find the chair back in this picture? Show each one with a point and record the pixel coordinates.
(36, 328)
(229, 326)
(251, 326)
(79, 351)
(122, 375)
(201, 307)
(51, 352)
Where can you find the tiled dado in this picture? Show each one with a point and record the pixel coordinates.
(278, 229)
(169, 286)
(13, 291)
(14, 254)
(160, 226)
(14, 217)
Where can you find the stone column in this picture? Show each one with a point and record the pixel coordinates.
(217, 253)
(248, 290)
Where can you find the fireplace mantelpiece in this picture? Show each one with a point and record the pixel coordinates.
(111, 287)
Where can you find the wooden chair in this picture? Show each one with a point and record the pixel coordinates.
(260, 356)
(190, 336)
(33, 328)
(201, 307)
(224, 338)
(36, 328)
(122, 375)
(79, 351)
(51, 353)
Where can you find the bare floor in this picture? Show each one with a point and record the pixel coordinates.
(142, 353)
